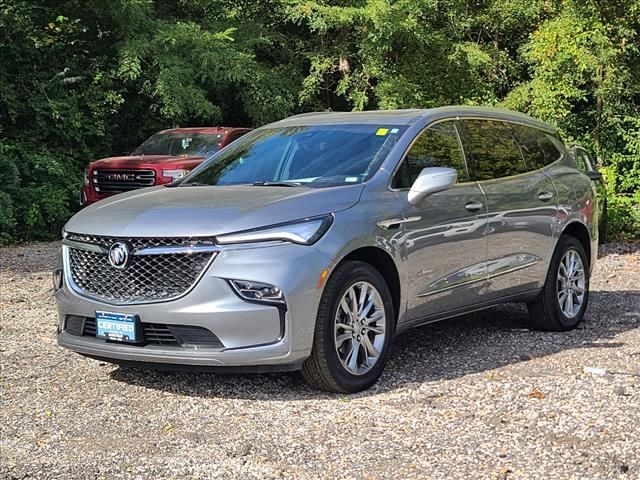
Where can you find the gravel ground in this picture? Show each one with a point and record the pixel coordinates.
(476, 397)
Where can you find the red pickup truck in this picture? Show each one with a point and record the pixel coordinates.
(164, 157)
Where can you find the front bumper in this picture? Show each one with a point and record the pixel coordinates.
(252, 334)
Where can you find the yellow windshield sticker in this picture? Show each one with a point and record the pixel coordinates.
(382, 132)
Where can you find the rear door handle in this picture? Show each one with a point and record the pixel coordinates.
(545, 196)
(473, 206)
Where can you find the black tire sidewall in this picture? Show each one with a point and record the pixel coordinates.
(341, 281)
(551, 288)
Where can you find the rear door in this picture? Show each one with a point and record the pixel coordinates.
(521, 205)
(444, 234)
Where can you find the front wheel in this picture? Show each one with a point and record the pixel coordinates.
(563, 300)
(353, 331)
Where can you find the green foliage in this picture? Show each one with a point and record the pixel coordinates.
(83, 80)
(585, 78)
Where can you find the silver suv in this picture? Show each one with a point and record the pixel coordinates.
(311, 242)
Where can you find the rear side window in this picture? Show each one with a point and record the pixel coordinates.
(492, 150)
(437, 146)
(537, 147)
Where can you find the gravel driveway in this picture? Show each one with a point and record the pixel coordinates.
(476, 397)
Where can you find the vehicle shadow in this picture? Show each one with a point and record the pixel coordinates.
(450, 349)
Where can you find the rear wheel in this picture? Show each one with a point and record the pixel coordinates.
(353, 330)
(563, 300)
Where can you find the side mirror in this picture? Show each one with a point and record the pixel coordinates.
(593, 175)
(431, 180)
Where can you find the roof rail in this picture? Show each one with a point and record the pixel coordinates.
(309, 114)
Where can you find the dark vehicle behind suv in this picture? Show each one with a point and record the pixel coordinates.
(586, 164)
(163, 158)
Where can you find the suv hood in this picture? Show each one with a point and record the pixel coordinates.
(136, 161)
(207, 211)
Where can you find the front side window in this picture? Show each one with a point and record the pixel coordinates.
(310, 156)
(437, 146)
(537, 147)
(180, 144)
(492, 150)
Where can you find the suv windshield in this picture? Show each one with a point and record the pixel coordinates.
(186, 144)
(314, 156)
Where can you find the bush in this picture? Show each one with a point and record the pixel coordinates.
(82, 80)
(623, 209)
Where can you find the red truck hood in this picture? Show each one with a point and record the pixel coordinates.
(137, 161)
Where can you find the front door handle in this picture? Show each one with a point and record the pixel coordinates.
(473, 206)
(545, 196)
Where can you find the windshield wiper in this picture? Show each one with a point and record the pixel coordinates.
(276, 184)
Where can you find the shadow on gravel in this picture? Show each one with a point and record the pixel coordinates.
(450, 349)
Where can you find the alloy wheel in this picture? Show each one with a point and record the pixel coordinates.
(360, 328)
(571, 283)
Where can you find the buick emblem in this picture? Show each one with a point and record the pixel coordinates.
(119, 255)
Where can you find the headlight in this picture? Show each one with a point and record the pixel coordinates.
(305, 232)
(175, 174)
(86, 176)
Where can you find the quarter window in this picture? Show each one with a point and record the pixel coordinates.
(581, 160)
(537, 147)
(493, 150)
(437, 146)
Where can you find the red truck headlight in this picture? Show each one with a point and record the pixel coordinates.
(175, 174)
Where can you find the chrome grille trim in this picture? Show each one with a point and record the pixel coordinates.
(161, 269)
(85, 246)
(122, 179)
(174, 250)
(139, 243)
(187, 249)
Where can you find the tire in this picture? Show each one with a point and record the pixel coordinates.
(328, 366)
(546, 312)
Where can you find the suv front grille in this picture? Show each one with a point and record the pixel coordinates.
(122, 179)
(158, 269)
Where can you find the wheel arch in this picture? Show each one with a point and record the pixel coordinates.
(580, 232)
(382, 261)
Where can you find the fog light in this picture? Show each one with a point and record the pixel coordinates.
(57, 279)
(257, 291)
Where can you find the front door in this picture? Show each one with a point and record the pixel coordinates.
(445, 244)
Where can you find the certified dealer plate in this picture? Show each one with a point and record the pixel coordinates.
(121, 327)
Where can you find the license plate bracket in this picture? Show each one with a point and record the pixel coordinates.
(118, 327)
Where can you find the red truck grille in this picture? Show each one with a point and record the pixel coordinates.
(122, 180)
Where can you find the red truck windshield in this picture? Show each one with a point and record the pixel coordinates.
(181, 144)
